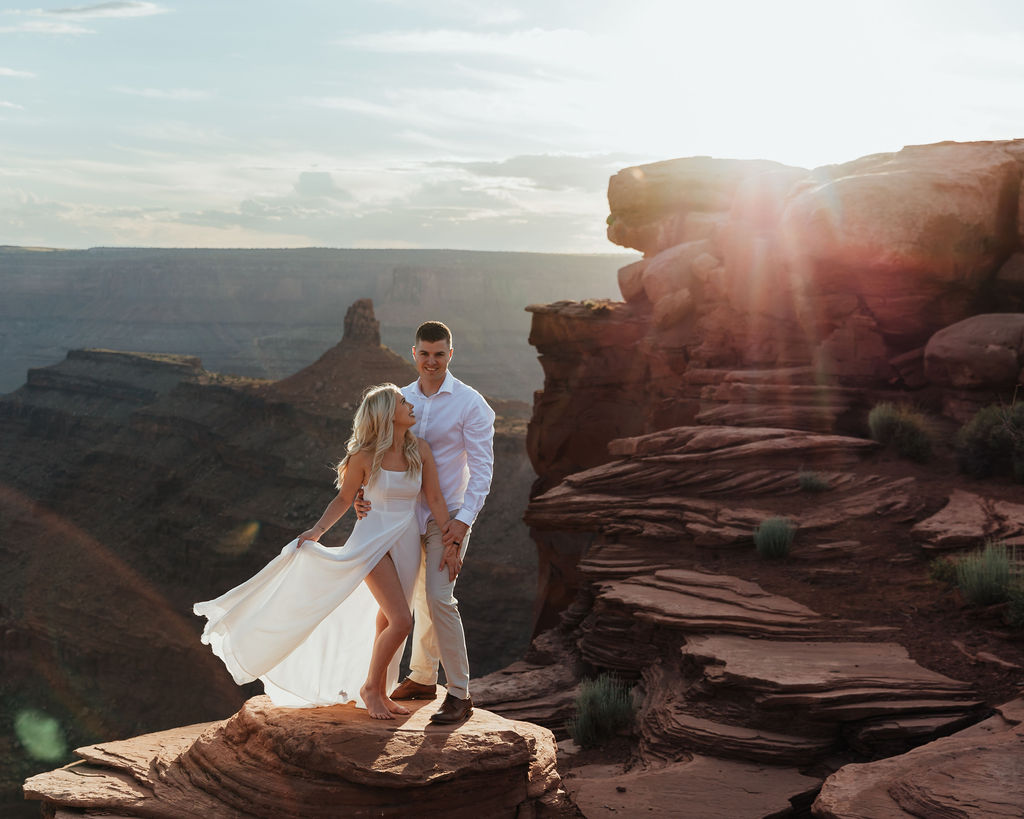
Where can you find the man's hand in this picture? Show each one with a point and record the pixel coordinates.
(453, 532)
(361, 505)
(450, 558)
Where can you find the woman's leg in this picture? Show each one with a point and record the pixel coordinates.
(392, 706)
(396, 620)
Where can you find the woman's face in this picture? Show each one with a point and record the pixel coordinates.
(405, 414)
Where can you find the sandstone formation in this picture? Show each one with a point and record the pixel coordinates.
(977, 361)
(334, 383)
(318, 762)
(682, 484)
(698, 788)
(772, 309)
(973, 774)
(775, 296)
(969, 519)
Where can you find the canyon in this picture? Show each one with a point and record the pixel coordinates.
(269, 313)
(772, 309)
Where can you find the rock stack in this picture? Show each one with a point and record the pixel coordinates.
(334, 383)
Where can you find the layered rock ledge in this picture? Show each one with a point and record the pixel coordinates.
(324, 762)
(977, 773)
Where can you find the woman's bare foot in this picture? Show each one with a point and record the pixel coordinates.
(392, 706)
(374, 703)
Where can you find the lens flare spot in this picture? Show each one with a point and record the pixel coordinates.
(40, 735)
(239, 539)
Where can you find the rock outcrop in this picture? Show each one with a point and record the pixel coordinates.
(682, 484)
(973, 774)
(775, 296)
(977, 361)
(334, 383)
(968, 519)
(319, 762)
(773, 308)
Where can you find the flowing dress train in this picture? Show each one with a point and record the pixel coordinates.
(305, 624)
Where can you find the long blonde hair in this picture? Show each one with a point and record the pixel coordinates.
(373, 430)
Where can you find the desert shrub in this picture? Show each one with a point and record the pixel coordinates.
(1015, 609)
(943, 570)
(984, 576)
(604, 706)
(774, 536)
(812, 482)
(903, 428)
(992, 442)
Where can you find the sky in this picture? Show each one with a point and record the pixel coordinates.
(455, 123)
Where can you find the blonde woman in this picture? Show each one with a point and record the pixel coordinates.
(321, 625)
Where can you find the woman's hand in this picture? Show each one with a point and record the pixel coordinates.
(313, 534)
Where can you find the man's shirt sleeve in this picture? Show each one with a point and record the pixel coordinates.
(478, 434)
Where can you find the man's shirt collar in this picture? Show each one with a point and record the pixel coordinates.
(447, 385)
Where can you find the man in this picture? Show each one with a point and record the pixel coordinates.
(459, 426)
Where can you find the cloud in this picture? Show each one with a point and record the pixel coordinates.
(13, 72)
(535, 45)
(114, 9)
(45, 27)
(6, 104)
(41, 21)
(551, 171)
(319, 184)
(175, 94)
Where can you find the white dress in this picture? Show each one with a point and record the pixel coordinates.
(304, 624)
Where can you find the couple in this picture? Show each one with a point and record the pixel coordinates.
(312, 621)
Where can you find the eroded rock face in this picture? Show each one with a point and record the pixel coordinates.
(674, 484)
(973, 774)
(774, 295)
(699, 788)
(318, 762)
(981, 351)
(334, 383)
(968, 519)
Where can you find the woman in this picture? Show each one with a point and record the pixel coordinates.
(303, 624)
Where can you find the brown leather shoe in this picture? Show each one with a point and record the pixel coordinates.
(412, 690)
(453, 710)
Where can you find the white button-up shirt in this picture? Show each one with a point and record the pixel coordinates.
(459, 426)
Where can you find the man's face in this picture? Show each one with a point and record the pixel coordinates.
(431, 358)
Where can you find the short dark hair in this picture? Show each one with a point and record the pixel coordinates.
(434, 331)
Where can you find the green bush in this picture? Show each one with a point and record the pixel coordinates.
(812, 482)
(604, 706)
(984, 576)
(774, 536)
(1015, 609)
(902, 427)
(992, 442)
(943, 570)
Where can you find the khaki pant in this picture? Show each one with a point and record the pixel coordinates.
(437, 631)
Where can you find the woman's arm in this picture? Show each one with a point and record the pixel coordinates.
(355, 475)
(431, 487)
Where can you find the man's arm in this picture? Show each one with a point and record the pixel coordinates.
(478, 435)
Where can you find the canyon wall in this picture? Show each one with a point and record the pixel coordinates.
(775, 296)
(268, 313)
